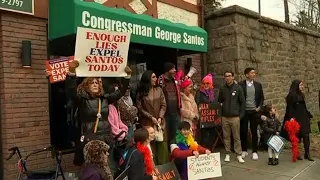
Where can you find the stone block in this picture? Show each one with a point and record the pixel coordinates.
(254, 23)
(230, 54)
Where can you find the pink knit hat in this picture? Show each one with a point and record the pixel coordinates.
(207, 79)
(185, 83)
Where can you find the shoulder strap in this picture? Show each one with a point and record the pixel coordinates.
(98, 116)
(130, 158)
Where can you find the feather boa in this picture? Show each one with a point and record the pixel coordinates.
(186, 143)
(293, 128)
(147, 157)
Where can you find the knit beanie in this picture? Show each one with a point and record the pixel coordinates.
(168, 66)
(207, 79)
(185, 83)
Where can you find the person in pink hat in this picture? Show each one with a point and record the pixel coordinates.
(189, 109)
(206, 96)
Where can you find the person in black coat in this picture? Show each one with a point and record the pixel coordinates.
(88, 97)
(296, 108)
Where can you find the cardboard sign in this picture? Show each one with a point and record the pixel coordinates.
(166, 172)
(276, 143)
(58, 68)
(205, 166)
(101, 53)
(210, 115)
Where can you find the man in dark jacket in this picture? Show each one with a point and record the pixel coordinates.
(173, 99)
(233, 104)
(253, 94)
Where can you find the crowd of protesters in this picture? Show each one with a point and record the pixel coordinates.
(108, 138)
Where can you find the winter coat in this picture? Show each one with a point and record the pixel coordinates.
(117, 126)
(87, 109)
(91, 172)
(137, 170)
(296, 108)
(270, 127)
(148, 108)
(189, 109)
(233, 101)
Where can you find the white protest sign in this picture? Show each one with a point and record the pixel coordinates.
(204, 167)
(276, 143)
(101, 53)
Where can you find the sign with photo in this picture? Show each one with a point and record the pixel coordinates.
(205, 166)
(167, 171)
(209, 115)
(276, 143)
(58, 68)
(101, 53)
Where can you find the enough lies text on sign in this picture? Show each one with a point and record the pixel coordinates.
(19, 6)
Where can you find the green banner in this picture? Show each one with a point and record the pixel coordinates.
(143, 28)
(20, 6)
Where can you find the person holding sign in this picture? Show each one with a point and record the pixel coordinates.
(205, 98)
(183, 146)
(271, 126)
(93, 109)
(189, 109)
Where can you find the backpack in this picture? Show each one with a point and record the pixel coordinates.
(122, 166)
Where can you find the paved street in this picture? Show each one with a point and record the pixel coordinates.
(260, 170)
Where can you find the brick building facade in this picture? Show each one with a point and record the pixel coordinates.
(24, 92)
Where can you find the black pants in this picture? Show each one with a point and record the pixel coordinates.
(254, 118)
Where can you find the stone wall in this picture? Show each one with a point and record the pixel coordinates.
(240, 38)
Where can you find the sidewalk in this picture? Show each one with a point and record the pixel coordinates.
(260, 170)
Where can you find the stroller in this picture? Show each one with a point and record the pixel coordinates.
(25, 174)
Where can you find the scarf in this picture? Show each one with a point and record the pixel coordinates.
(146, 156)
(185, 144)
(209, 93)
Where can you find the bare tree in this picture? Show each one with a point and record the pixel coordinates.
(308, 15)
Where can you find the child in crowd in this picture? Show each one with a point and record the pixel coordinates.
(184, 146)
(271, 126)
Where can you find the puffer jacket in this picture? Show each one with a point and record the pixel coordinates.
(270, 127)
(88, 109)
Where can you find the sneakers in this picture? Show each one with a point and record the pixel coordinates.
(244, 154)
(227, 159)
(240, 159)
(255, 156)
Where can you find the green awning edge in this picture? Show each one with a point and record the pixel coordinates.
(63, 21)
(139, 16)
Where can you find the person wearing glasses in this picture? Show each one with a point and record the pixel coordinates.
(233, 103)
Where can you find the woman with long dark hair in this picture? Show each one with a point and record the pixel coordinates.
(296, 108)
(152, 106)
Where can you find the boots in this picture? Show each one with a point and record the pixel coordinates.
(275, 162)
(306, 144)
(270, 162)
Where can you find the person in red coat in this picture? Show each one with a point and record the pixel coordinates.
(183, 146)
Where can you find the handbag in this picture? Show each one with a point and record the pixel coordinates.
(127, 112)
(84, 139)
(158, 133)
